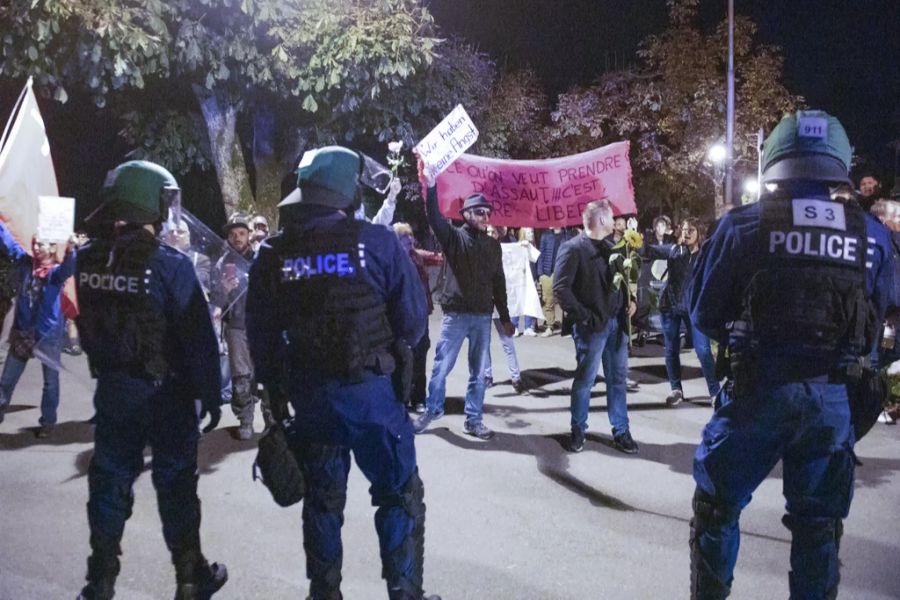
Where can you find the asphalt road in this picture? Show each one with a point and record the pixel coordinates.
(514, 518)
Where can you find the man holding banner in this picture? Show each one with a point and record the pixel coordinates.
(473, 284)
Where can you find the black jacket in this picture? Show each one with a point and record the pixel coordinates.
(583, 283)
(675, 296)
(474, 281)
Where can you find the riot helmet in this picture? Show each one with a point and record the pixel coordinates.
(809, 145)
(332, 176)
(137, 191)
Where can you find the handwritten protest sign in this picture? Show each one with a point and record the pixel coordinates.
(541, 193)
(446, 142)
(56, 218)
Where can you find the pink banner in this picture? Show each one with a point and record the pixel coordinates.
(540, 193)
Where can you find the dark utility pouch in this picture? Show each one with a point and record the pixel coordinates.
(277, 467)
(867, 399)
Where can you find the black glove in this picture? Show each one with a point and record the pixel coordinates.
(214, 411)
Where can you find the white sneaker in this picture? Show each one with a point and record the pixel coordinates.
(530, 332)
(885, 418)
(517, 334)
(675, 398)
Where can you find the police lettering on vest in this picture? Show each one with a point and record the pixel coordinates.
(304, 267)
(109, 282)
(809, 235)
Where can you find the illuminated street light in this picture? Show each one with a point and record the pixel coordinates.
(717, 153)
(751, 186)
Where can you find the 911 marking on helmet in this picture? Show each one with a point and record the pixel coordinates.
(110, 282)
(814, 244)
(304, 267)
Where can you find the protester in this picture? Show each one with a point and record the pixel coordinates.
(795, 322)
(674, 302)
(515, 271)
(526, 323)
(583, 282)
(473, 285)
(150, 344)
(888, 212)
(259, 230)
(229, 297)
(38, 322)
(551, 240)
(9, 288)
(421, 259)
(648, 285)
(320, 337)
(869, 189)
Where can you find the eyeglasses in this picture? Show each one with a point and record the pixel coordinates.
(481, 212)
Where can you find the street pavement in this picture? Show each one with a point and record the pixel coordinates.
(514, 518)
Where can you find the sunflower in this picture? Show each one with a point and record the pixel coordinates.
(633, 239)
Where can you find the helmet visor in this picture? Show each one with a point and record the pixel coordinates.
(375, 175)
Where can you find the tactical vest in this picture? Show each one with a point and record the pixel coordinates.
(809, 293)
(122, 326)
(335, 323)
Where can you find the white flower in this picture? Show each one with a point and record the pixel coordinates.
(395, 146)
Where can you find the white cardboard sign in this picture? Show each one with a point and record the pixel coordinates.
(56, 218)
(446, 142)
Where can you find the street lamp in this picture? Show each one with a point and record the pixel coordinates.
(717, 153)
(751, 188)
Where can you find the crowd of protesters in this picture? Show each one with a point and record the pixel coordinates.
(517, 290)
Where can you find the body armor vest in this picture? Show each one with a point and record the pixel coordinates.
(809, 293)
(122, 326)
(334, 321)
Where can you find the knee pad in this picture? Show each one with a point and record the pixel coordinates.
(710, 513)
(411, 497)
(813, 532)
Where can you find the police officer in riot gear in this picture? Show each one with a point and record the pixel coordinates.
(146, 329)
(794, 285)
(327, 299)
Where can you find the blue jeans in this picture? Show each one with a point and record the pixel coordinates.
(805, 425)
(512, 362)
(12, 371)
(611, 347)
(671, 322)
(456, 327)
(530, 322)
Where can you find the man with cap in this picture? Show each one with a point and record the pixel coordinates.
(229, 299)
(793, 285)
(473, 285)
(329, 297)
(145, 327)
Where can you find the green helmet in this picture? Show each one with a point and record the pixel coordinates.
(137, 191)
(809, 145)
(327, 176)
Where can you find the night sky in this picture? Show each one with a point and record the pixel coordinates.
(843, 56)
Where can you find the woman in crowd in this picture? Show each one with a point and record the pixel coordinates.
(674, 307)
(38, 323)
(422, 259)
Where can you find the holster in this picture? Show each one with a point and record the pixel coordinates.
(867, 396)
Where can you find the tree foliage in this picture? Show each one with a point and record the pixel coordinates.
(672, 107)
(189, 76)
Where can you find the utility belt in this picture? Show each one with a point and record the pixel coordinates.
(132, 371)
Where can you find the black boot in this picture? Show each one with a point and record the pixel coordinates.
(196, 578)
(101, 578)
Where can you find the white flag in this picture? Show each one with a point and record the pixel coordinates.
(26, 168)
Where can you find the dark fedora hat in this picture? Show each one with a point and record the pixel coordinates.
(475, 201)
